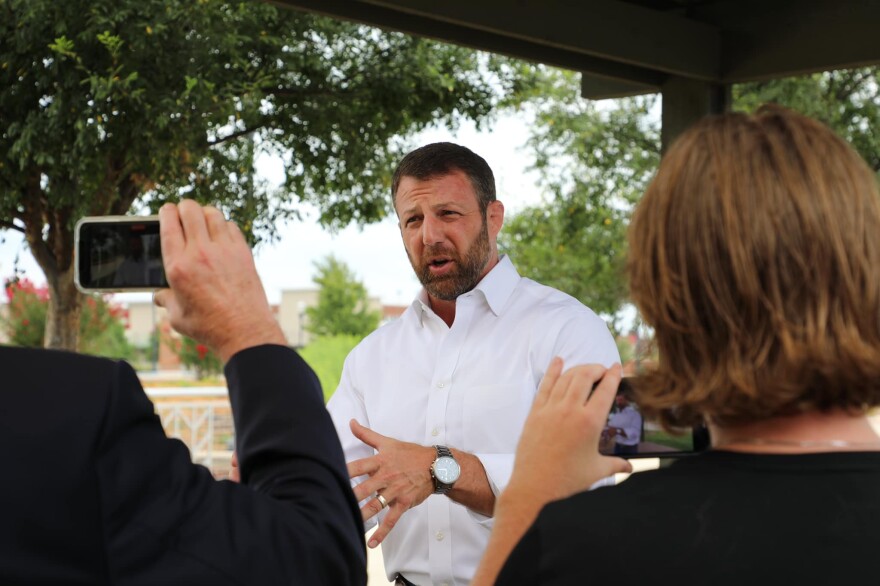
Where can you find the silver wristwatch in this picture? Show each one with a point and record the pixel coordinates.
(445, 470)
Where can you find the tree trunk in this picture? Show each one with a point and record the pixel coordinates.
(62, 319)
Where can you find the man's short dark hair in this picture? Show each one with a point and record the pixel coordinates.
(441, 158)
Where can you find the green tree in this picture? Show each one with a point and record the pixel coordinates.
(343, 307)
(108, 106)
(326, 355)
(596, 160)
(847, 100)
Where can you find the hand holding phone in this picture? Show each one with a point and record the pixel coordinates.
(562, 429)
(556, 455)
(215, 295)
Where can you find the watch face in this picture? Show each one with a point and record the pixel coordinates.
(446, 470)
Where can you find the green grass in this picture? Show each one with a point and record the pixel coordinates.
(679, 442)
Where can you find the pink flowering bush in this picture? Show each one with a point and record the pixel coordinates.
(25, 319)
(197, 357)
(102, 322)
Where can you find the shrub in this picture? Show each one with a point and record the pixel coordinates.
(102, 322)
(196, 356)
(326, 355)
(25, 318)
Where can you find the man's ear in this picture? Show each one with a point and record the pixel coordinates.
(494, 218)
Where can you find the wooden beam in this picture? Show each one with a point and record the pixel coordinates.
(614, 39)
(594, 87)
(764, 40)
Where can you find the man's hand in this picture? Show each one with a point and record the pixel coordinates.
(399, 472)
(216, 296)
(234, 472)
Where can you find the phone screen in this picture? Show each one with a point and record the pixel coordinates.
(628, 434)
(119, 253)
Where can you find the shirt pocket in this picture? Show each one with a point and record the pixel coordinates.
(494, 416)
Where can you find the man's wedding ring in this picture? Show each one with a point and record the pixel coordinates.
(381, 500)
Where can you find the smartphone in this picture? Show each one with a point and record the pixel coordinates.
(628, 434)
(118, 254)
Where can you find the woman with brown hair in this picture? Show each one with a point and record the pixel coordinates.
(755, 257)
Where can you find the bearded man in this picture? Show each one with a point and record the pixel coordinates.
(430, 406)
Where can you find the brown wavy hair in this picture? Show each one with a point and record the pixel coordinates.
(754, 255)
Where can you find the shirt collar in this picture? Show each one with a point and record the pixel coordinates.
(497, 287)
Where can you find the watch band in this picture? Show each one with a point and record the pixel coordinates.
(443, 451)
(439, 486)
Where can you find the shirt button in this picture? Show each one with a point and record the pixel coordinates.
(439, 536)
(435, 432)
(440, 385)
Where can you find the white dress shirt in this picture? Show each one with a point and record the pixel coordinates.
(469, 386)
(630, 421)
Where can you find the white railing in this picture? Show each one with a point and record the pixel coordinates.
(201, 418)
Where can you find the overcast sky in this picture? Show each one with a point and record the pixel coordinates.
(375, 253)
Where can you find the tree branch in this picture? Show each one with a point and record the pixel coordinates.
(128, 191)
(61, 238)
(11, 226)
(34, 218)
(105, 197)
(235, 135)
(288, 93)
(846, 90)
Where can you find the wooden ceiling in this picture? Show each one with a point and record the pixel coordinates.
(628, 47)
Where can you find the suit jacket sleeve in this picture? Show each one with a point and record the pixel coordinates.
(293, 520)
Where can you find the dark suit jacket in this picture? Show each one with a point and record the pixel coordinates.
(92, 492)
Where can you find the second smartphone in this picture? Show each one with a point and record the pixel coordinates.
(628, 434)
(118, 254)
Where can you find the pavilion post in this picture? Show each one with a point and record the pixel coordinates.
(687, 100)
